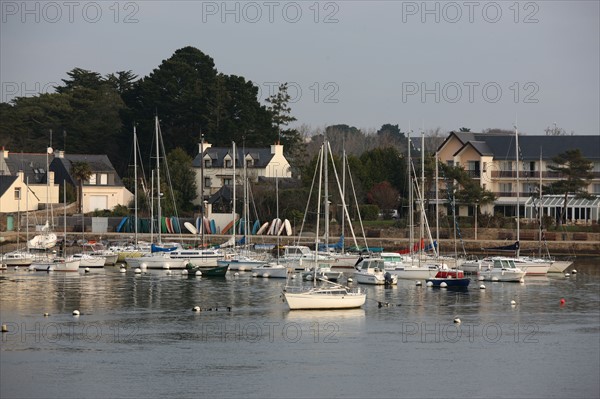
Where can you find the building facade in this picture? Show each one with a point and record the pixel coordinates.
(491, 159)
(214, 167)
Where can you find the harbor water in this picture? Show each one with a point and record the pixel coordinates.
(138, 336)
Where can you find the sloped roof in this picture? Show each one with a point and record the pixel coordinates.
(480, 146)
(6, 182)
(32, 165)
(261, 156)
(502, 145)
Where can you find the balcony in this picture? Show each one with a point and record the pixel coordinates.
(475, 174)
(525, 174)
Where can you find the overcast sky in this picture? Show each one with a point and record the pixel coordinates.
(435, 64)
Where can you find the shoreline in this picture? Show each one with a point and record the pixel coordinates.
(569, 248)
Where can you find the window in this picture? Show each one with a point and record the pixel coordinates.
(227, 181)
(530, 187)
(207, 163)
(103, 179)
(207, 182)
(17, 193)
(505, 187)
(92, 180)
(249, 162)
(450, 163)
(228, 163)
(596, 188)
(506, 165)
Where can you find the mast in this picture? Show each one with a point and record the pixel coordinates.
(326, 193)
(437, 210)
(322, 155)
(518, 198)
(541, 208)
(422, 200)
(135, 193)
(158, 190)
(203, 205)
(410, 202)
(233, 156)
(64, 247)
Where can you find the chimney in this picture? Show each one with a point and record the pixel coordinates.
(4, 153)
(276, 149)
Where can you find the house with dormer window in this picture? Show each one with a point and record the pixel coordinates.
(214, 167)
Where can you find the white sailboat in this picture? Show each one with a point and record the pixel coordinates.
(62, 262)
(331, 296)
(372, 271)
(272, 269)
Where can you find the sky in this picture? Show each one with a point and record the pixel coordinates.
(421, 65)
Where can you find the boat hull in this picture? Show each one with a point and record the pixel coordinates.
(503, 276)
(321, 301)
(559, 266)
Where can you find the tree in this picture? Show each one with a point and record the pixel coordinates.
(464, 129)
(463, 188)
(555, 131)
(80, 171)
(281, 114)
(183, 181)
(383, 195)
(575, 172)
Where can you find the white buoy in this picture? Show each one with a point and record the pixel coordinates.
(457, 320)
(87, 269)
(46, 314)
(294, 276)
(443, 284)
(198, 273)
(418, 283)
(480, 278)
(76, 313)
(254, 274)
(265, 275)
(196, 308)
(350, 279)
(184, 272)
(144, 267)
(137, 270)
(513, 303)
(236, 274)
(122, 270)
(495, 279)
(429, 284)
(573, 271)
(522, 281)
(482, 287)
(567, 274)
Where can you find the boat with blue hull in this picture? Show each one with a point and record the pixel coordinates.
(449, 279)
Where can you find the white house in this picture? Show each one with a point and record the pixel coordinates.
(214, 166)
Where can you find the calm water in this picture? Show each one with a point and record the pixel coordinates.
(138, 337)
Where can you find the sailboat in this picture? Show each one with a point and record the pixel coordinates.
(332, 295)
(62, 262)
(272, 269)
(415, 265)
(48, 238)
(157, 259)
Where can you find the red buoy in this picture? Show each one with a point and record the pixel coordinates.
(562, 301)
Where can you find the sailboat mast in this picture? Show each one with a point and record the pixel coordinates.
(158, 190)
(437, 210)
(135, 179)
(326, 193)
(233, 156)
(422, 200)
(541, 208)
(410, 201)
(518, 198)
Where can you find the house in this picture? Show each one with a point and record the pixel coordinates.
(23, 179)
(27, 173)
(103, 190)
(490, 159)
(214, 167)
